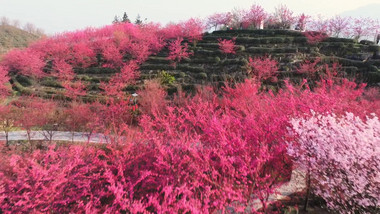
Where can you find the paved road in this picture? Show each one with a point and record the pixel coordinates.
(57, 136)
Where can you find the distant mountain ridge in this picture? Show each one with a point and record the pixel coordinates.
(12, 37)
(371, 10)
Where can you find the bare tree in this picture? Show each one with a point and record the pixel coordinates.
(16, 23)
(4, 20)
(30, 28)
(40, 32)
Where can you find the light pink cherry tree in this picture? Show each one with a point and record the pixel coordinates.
(364, 27)
(319, 24)
(218, 19)
(283, 17)
(342, 157)
(255, 16)
(302, 21)
(339, 26)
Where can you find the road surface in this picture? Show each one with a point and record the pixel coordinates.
(57, 136)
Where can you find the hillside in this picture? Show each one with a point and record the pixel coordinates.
(12, 37)
(208, 65)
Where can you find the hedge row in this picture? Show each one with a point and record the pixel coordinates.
(95, 70)
(262, 50)
(260, 32)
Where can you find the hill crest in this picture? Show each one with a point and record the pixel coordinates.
(12, 37)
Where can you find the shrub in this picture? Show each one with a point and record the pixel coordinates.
(166, 78)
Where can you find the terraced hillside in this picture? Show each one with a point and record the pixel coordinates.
(289, 48)
(208, 65)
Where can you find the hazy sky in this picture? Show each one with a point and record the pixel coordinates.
(66, 15)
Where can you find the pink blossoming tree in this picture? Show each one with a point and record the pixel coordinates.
(341, 156)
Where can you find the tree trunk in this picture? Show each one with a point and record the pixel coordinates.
(307, 190)
(6, 139)
(29, 140)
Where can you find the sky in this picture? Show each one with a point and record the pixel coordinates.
(56, 16)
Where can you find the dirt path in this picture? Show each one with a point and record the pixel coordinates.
(296, 184)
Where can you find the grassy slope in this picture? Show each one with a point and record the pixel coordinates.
(12, 37)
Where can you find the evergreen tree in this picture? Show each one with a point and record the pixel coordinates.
(116, 20)
(138, 20)
(125, 18)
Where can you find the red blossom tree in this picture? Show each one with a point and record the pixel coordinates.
(263, 68)
(178, 51)
(26, 62)
(310, 67)
(171, 31)
(112, 55)
(4, 80)
(314, 37)
(114, 88)
(151, 99)
(65, 74)
(193, 29)
(33, 113)
(63, 70)
(227, 46)
(51, 120)
(82, 55)
(8, 118)
(74, 89)
(78, 118)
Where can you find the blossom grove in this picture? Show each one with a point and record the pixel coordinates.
(217, 149)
